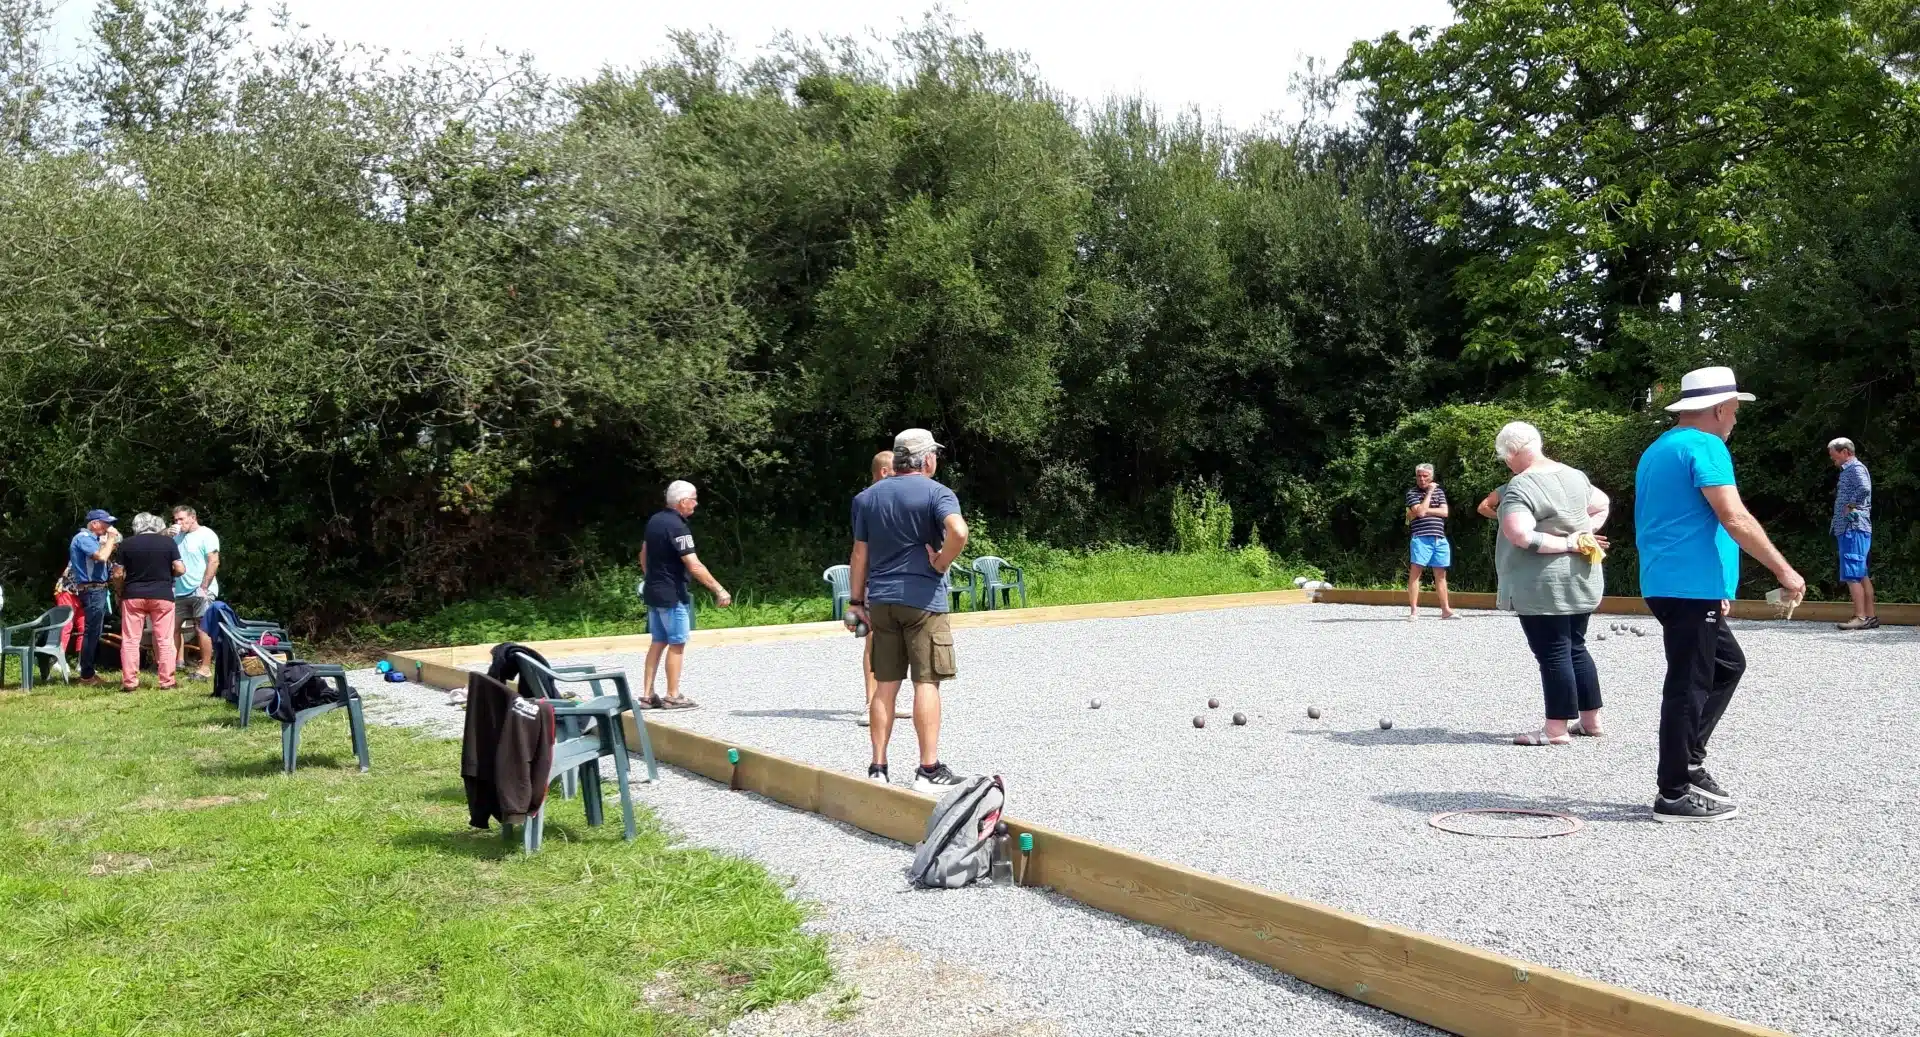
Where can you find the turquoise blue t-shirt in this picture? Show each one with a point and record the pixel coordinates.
(194, 549)
(1684, 551)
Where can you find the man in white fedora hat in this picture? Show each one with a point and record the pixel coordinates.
(1690, 527)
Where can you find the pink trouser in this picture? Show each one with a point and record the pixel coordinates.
(134, 614)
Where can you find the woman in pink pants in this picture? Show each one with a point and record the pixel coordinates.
(151, 560)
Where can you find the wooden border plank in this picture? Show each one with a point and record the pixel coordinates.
(1891, 614)
(625, 644)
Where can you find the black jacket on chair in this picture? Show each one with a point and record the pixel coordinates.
(506, 754)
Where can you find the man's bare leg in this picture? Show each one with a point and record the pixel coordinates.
(654, 651)
(880, 715)
(676, 657)
(1413, 590)
(205, 641)
(1440, 588)
(926, 721)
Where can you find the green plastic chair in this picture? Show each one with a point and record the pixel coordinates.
(962, 582)
(290, 730)
(244, 638)
(39, 638)
(585, 730)
(837, 578)
(996, 586)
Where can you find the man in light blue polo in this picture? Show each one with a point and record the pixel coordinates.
(1690, 526)
(1852, 530)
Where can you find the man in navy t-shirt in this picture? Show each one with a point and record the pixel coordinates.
(667, 559)
(1690, 525)
(907, 531)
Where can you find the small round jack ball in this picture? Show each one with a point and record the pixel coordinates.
(1239, 720)
(1314, 712)
(1385, 724)
(1213, 703)
(1599, 637)
(1199, 721)
(1095, 704)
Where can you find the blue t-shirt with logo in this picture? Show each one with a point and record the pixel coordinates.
(898, 519)
(1684, 551)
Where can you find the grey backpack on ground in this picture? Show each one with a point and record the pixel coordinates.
(958, 847)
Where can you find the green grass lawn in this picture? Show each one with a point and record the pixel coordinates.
(606, 605)
(163, 878)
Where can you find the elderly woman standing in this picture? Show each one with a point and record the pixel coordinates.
(152, 560)
(1548, 560)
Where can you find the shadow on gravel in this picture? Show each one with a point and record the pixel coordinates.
(1585, 809)
(1368, 738)
(836, 716)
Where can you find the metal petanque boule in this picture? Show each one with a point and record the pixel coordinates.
(1313, 712)
(1385, 724)
(1095, 704)
(1213, 703)
(1239, 720)
(1199, 721)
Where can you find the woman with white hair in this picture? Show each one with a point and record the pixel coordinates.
(1548, 559)
(151, 560)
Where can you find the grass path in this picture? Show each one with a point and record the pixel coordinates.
(161, 877)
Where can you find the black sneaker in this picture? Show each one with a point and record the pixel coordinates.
(937, 780)
(1692, 807)
(878, 772)
(1700, 781)
(1873, 622)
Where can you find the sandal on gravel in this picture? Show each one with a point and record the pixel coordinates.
(1580, 731)
(1541, 738)
(676, 702)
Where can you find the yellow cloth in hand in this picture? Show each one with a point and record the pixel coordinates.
(1587, 545)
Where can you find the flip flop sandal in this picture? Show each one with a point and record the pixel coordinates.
(1578, 731)
(1541, 738)
(682, 702)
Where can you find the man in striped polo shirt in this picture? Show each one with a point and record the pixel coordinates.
(1427, 519)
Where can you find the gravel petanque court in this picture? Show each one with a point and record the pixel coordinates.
(1800, 914)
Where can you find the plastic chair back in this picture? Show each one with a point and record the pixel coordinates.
(988, 566)
(839, 579)
(50, 629)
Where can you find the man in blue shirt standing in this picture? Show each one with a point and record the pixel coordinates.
(1853, 528)
(1690, 527)
(907, 532)
(667, 558)
(89, 571)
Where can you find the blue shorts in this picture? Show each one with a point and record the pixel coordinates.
(1432, 552)
(1854, 545)
(670, 626)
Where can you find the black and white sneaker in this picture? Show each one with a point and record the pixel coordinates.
(937, 780)
(878, 772)
(1700, 781)
(1692, 807)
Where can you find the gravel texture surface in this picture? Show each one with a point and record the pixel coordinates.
(1802, 914)
(978, 962)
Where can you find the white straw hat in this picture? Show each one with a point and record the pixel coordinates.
(1706, 388)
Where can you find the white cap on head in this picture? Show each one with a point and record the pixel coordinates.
(915, 441)
(678, 490)
(1707, 388)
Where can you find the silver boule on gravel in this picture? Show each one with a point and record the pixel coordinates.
(1213, 703)
(1199, 721)
(1314, 712)
(1239, 720)
(1094, 704)
(1385, 724)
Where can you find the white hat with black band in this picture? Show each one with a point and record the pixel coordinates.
(1707, 388)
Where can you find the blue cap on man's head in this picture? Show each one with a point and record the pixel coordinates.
(100, 515)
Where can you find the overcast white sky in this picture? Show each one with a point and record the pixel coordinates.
(1231, 59)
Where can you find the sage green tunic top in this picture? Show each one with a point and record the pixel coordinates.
(1533, 584)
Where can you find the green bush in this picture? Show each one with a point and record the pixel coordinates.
(1202, 519)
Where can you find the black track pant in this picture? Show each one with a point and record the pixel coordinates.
(1704, 664)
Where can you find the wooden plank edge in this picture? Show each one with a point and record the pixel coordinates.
(1449, 985)
(620, 644)
(1745, 608)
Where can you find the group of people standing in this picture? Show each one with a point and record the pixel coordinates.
(165, 576)
(1690, 526)
(907, 534)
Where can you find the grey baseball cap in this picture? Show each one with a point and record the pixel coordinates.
(915, 441)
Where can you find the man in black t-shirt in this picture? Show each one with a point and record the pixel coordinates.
(667, 559)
